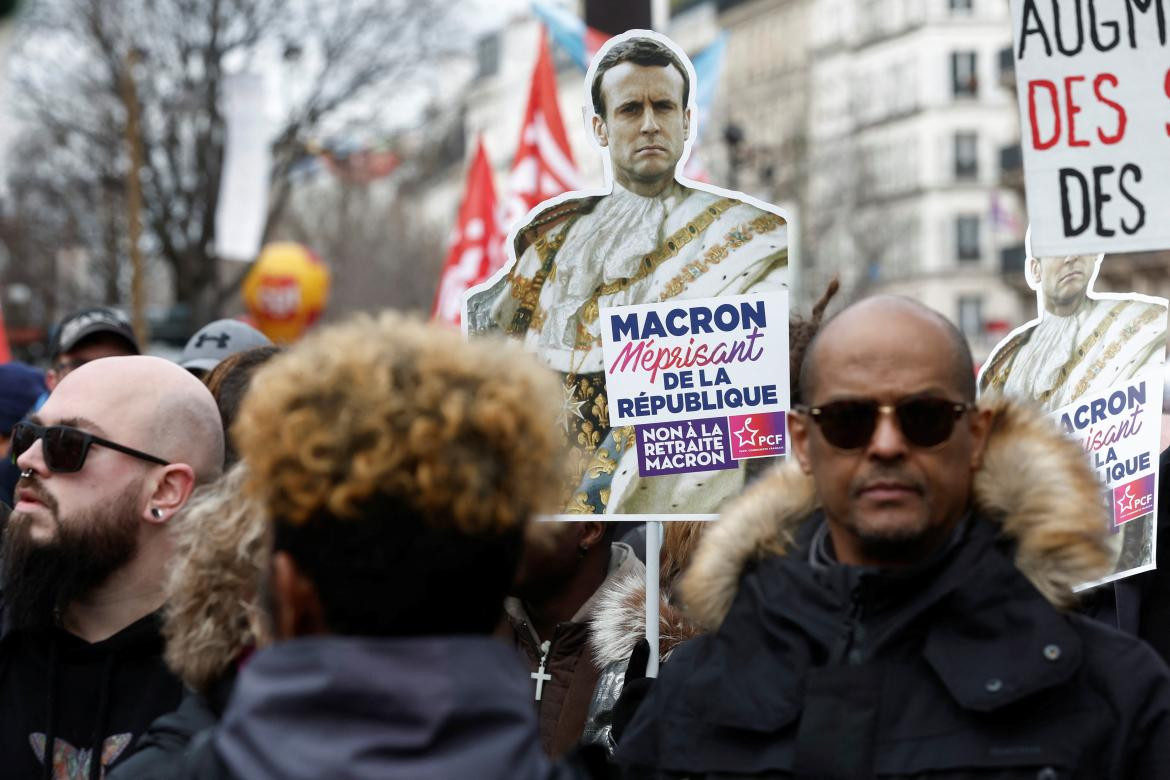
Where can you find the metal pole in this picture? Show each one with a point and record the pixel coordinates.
(659, 15)
(653, 551)
(134, 200)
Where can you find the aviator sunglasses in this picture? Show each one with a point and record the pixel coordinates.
(65, 448)
(849, 425)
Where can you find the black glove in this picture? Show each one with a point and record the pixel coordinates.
(634, 689)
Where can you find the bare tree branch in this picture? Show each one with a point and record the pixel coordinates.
(333, 57)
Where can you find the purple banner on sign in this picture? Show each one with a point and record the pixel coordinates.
(681, 447)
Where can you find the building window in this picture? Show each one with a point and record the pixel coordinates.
(964, 81)
(966, 156)
(487, 56)
(960, 6)
(971, 315)
(967, 237)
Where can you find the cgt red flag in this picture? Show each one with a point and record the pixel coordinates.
(543, 164)
(477, 244)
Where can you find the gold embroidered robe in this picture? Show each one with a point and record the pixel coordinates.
(1103, 344)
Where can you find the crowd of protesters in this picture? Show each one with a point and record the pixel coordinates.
(324, 561)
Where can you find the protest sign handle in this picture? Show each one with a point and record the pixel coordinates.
(653, 551)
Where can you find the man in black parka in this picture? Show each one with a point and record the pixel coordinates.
(891, 604)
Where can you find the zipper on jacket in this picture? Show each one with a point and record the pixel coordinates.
(539, 675)
(852, 653)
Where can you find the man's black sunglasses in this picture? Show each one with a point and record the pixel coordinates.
(849, 425)
(65, 448)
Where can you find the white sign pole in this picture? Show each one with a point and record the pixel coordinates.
(653, 551)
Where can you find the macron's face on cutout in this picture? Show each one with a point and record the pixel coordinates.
(1063, 279)
(645, 124)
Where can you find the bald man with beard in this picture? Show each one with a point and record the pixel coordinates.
(110, 458)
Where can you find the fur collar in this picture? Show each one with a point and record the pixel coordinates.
(1034, 481)
(620, 618)
(620, 621)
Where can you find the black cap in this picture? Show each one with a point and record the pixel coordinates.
(85, 323)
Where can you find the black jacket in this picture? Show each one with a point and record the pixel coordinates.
(961, 668)
(165, 742)
(84, 698)
(1137, 604)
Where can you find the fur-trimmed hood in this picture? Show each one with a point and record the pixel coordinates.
(213, 613)
(1034, 481)
(619, 621)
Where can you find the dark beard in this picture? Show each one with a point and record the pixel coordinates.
(39, 579)
(898, 550)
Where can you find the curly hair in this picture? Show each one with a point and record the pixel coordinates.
(400, 463)
(213, 611)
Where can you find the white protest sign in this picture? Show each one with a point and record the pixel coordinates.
(242, 208)
(704, 381)
(579, 253)
(1119, 429)
(1094, 362)
(662, 239)
(681, 360)
(1093, 84)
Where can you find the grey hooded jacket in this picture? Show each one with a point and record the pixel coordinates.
(429, 708)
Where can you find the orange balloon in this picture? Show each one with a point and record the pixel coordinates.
(286, 291)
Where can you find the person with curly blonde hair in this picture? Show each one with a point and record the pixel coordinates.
(400, 467)
(213, 619)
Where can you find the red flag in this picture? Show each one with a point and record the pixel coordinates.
(543, 165)
(477, 244)
(5, 352)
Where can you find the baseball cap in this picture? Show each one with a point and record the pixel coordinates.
(87, 322)
(20, 386)
(218, 340)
